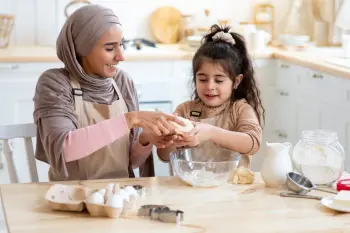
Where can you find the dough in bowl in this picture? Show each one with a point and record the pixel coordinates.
(179, 129)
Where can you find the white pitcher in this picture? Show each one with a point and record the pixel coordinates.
(276, 164)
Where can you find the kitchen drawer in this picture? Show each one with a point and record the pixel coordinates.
(321, 86)
(25, 67)
(287, 75)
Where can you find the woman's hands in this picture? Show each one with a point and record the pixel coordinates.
(155, 122)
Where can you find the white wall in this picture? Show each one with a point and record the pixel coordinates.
(39, 21)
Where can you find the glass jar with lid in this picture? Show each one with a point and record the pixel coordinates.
(319, 156)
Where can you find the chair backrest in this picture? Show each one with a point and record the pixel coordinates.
(27, 132)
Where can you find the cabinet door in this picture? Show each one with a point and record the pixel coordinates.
(287, 75)
(284, 119)
(321, 87)
(308, 113)
(17, 106)
(338, 120)
(182, 82)
(347, 145)
(17, 88)
(265, 72)
(161, 168)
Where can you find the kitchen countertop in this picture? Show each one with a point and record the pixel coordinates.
(228, 208)
(311, 60)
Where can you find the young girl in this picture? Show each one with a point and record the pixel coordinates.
(226, 110)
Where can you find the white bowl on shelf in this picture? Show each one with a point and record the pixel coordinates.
(294, 40)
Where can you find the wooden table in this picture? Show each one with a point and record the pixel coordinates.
(229, 208)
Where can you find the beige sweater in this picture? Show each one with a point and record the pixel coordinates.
(236, 116)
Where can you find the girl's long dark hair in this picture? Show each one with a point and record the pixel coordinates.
(235, 60)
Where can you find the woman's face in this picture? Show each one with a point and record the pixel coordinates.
(106, 54)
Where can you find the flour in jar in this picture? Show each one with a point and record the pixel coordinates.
(203, 178)
(318, 163)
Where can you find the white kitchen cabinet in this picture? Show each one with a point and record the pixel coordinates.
(17, 87)
(182, 82)
(161, 168)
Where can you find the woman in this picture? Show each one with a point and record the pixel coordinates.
(87, 112)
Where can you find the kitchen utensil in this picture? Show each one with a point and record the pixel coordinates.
(294, 40)
(166, 25)
(204, 167)
(276, 164)
(301, 185)
(161, 213)
(286, 194)
(343, 184)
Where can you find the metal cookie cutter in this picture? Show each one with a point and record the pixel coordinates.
(161, 213)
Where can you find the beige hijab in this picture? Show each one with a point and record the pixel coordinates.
(54, 112)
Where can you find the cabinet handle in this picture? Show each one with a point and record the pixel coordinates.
(285, 66)
(319, 76)
(9, 66)
(1, 156)
(284, 93)
(281, 134)
(348, 95)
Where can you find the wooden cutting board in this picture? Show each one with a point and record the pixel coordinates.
(165, 23)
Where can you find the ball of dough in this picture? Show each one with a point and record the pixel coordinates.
(243, 176)
(179, 129)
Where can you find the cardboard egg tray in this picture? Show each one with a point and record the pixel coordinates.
(76, 198)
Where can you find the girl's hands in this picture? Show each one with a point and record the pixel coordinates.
(202, 132)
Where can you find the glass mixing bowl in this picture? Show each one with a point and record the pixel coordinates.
(203, 167)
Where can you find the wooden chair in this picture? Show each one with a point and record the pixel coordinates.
(27, 132)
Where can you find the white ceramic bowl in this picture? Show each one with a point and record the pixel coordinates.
(294, 40)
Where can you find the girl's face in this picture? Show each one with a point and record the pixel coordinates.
(213, 84)
(106, 54)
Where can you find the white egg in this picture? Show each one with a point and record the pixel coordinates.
(110, 186)
(115, 201)
(96, 198)
(124, 194)
(102, 191)
(131, 191)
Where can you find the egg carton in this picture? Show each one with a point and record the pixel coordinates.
(110, 202)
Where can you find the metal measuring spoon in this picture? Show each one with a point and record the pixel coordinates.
(299, 184)
(286, 194)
